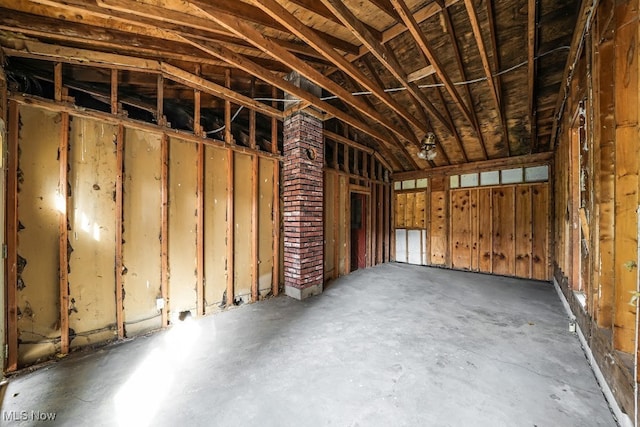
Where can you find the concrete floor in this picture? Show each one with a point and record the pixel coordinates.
(395, 345)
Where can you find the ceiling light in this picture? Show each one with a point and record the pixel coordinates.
(428, 148)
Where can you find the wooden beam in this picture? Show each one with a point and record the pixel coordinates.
(253, 36)
(81, 34)
(49, 52)
(374, 222)
(379, 227)
(228, 137)
(456, 133)
(160, 119)
(459, 62)
(369, 222)
(345, 156)
(252, 116)
(148, 20)
(230, 229)
(256, 70)
(275, 276)
(114, 91)
(386, 7)
(57, 82)
(365, 165)
(384, 55)
(48, 105)
(197, 107)
(498, 78)
(200, 245)
(164, 229)
(119, 194)
(398, 29)
(298, 28)
(12, 237)
(255, 227)
(247, 12)
(502, 163)
(274, 123)
(397, 141)
(63, 234)
(346, 141)
(587, 7)
(383, 161)
(385, 219)
(336, 225)
(85, 57)
(194, 81)
(187, 23)
(477, 33)
(421, 73)
(531, 68)
(422, 42)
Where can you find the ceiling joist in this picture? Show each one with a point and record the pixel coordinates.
(459, 63)
(36, 50)
(277, 52)
(422, 42)
(477, 33)
(384, 55)
(303, 32)
(254, 69)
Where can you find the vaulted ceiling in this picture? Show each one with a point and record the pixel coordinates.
(484, 76)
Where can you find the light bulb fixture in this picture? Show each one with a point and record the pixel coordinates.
(428, 148)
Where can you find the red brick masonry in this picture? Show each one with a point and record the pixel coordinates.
(303, 202)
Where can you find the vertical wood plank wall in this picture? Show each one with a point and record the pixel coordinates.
(501, 230)
(92, 238)
(597, 160)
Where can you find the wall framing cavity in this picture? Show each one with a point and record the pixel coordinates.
(95, 141)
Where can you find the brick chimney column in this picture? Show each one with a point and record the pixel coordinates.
(303, 202)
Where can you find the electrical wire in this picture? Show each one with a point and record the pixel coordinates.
(224, 126)
(394, 89)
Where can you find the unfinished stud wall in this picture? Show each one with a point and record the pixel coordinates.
(596, 193)
(39, 207)
(339, 184)
(159, 258)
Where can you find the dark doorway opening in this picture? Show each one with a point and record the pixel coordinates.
(358, 231)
